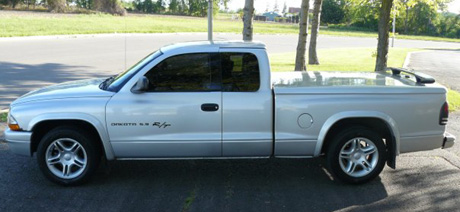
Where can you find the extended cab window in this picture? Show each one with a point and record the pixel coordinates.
(185, 73)
(240, 72)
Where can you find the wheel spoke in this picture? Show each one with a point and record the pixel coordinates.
(355, 144)
(75, 147)
(365, 164)
(79, 162)
(368, 150)
(65, 170)
(54, 160)
(59, 146)
(345, 154)
(351, 167)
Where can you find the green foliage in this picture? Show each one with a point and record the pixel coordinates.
(3, 117)
(179, 7)
(364, 14)
(333, 11)
(423, 18)
(173, 6)
(413, 17)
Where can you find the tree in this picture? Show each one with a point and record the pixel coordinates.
(303, 33)
(113, 7)
(276, 8)
(57, 6)
(183, 9)
(312, 55)
(384, 29)
(173, 6)
(332, 11)
(285, 9)
(247, 20)
(159, 6)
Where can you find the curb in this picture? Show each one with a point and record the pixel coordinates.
(409, 55)
(407, 60)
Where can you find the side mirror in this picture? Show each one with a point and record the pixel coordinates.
(141, 85)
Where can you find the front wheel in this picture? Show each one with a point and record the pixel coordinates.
(68, 156)
(356, 155)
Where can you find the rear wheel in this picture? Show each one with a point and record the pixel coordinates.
(68, 156)
(356, 155)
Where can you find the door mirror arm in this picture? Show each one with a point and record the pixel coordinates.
(141, 85)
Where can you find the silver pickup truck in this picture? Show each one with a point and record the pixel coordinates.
(218, 100)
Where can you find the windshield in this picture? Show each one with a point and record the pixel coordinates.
(122, 78)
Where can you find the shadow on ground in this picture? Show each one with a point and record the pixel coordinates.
(19, 79)
(223, 185)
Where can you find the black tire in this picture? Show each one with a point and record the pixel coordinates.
(341, 157)
(82, 161)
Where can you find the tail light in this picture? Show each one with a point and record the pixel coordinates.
(443, 117)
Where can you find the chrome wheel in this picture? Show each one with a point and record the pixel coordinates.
(358, 157)
(66, 158)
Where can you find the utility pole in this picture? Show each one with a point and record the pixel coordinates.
(210, 20)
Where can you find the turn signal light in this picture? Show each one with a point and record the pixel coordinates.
(12, 123)
(14, 127)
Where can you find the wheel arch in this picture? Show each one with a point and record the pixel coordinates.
(374, 120)
(42, 123)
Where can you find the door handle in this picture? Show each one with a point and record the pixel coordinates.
(209, 107)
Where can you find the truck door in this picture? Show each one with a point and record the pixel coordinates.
(179, 116)
(247, 104)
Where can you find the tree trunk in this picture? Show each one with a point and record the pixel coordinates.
(312, 55)
(247, 20)
(303, 33)
(384, 34)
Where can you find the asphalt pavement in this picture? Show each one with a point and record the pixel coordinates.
(442, 64)
(419, 184)
(423, 181)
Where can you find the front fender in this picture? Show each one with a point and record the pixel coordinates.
(98, 125)
(357, 114)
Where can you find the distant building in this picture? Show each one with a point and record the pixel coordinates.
(260, 18)
(271, 15)
(294, 10)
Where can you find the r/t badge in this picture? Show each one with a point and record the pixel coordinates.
(161, 125)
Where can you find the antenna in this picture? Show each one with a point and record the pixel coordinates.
(210, 20)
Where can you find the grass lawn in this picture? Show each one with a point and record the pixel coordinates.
(3, 117)
(454, 100)
(352, 59)
(39, 23)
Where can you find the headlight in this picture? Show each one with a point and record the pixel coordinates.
(12, 123)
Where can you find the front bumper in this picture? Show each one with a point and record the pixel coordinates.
(449, 140)
(18, 141)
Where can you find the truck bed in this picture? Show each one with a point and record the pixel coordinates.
(305, 103)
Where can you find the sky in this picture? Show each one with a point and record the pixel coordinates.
(261, 5)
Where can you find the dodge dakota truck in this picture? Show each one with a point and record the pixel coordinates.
(214, 100)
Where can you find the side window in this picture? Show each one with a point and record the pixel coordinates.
(240, 72)
(186, 73)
